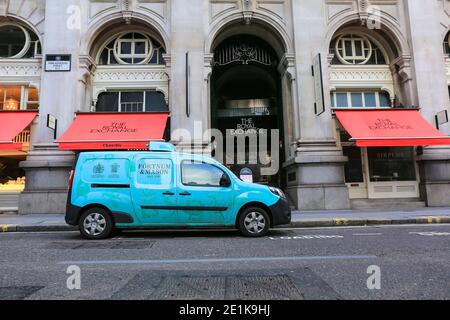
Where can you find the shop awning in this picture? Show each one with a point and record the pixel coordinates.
(390, 128)
(11, 124)
(113, 131)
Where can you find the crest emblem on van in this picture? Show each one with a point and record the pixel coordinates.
(99, 169)
(115, 168)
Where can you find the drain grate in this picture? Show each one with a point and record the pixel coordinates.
(228, 287)
(17, 293)
(278, 287)
(192, 288)
(99, 245)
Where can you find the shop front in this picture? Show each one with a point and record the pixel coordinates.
(383, 147)
(14, 145)
(114, 131)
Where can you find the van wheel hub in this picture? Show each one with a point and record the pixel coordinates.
(254, 222)
(94, 224)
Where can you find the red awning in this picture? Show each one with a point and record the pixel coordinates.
(113, 131)
(11, 124)
(390, 128)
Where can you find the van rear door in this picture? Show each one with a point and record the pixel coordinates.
(153, 189)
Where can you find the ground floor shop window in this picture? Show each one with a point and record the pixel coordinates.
(14, 98)
(391, 164)
(131, 101)
(12, 177)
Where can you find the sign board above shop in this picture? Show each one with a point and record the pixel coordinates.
(58, 62)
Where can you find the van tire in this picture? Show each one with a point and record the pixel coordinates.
(249, 222)
(102, 224)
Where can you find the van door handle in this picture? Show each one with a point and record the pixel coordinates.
(185, 194)
(168, 193)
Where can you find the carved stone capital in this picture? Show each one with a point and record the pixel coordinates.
(402, 65)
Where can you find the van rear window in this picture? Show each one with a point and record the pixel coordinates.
(106, 171)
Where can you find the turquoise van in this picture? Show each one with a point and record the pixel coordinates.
(162, 188)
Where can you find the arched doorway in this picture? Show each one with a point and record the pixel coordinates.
(246, 99)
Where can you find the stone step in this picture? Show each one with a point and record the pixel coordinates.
(407, 203)
(9, 201)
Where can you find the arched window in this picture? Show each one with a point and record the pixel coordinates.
(17, 42)
(356, 49)
(447, 44)
(132, 48)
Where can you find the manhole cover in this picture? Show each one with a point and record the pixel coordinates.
(17, 293)
(114, 244)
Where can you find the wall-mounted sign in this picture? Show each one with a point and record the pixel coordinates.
(319, 105)
(441, 118)
(58, 62)
(246, 175)
(52, 123)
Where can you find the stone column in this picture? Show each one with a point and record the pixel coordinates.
(188, 36)
(319, 163)
(432, 95)
(47, 169)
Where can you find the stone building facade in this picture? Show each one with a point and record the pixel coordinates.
(251, 61)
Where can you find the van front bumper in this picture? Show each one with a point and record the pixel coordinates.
(281, 213)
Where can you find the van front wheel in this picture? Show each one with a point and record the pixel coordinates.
(254, 222)
(95, 223)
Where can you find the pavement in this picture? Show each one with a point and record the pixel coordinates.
(300, 219)
(376, 262)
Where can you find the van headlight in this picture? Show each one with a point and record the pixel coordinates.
(278, 192)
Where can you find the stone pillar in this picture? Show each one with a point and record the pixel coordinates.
(316, 173)
(47, 169)
(188, 36)
(432, 95)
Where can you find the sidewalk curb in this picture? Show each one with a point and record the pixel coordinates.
(8, 228)
(367, 222)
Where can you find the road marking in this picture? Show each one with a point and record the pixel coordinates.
(7, 227)
(367, 234)
(432, 234)
(307, 237)
(341, 222)
(218, 260)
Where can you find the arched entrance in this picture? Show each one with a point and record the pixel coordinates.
(246, 99)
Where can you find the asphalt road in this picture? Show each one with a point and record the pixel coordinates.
(327, 263)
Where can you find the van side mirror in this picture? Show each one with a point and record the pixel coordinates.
(225, 181)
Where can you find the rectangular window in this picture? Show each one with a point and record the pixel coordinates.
(357, 100)
(108, 102)
(341, 100)
(198, 174)
(353, 168)
(131, 101)
(370, 100)
(385, 100)
(18, 98)
(391, 164)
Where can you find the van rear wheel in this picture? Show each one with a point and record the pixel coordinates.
(254, 222)
(95, 224)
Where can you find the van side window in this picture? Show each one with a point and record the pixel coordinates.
(198, 174)
(154, 172)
